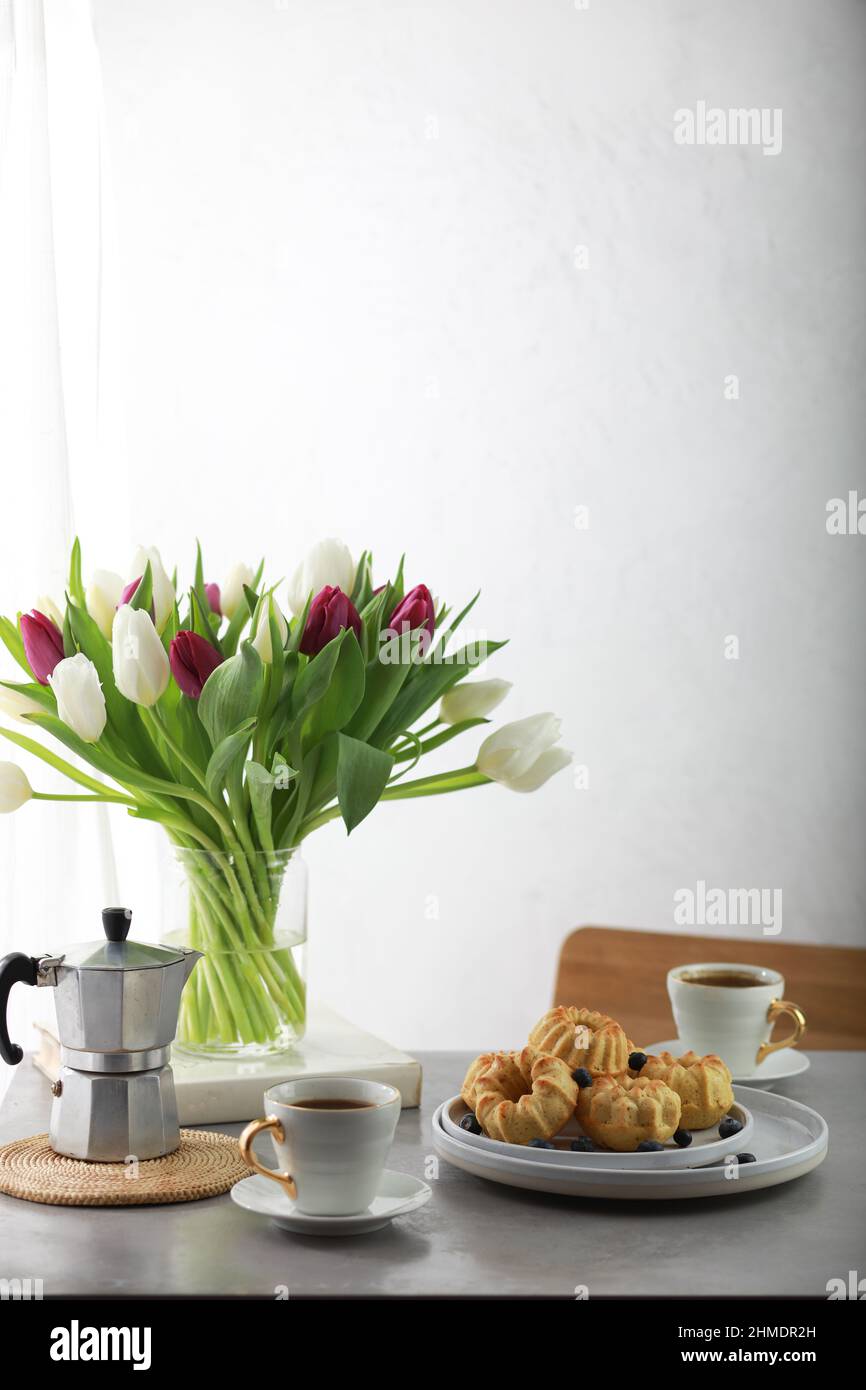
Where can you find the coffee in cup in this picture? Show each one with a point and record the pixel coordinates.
(730, 1009)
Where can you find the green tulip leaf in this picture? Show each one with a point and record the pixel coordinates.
(143, 596)
(42, 694)
(314, 679)
(76, 584)
(11, 638)
(231, 693)
(362, 775)
(383, 683)
(342, 696)
(225, 755)
(201, 618)
(428, 685)
(199, 568)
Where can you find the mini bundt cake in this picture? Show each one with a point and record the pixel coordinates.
(622, 1112)
(524, 1095)
(582, 1038)
(478, 1067)
(703, 1084)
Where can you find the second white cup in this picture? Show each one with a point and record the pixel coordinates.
(331, 1135)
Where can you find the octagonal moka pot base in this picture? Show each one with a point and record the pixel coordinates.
(108, 1117)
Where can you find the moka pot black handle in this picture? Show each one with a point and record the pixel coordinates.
(14, 969)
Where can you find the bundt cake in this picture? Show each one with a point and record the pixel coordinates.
(524, 1095)
(703, 1084)
(582, 1038)
(622, 1112)
(478, 1067)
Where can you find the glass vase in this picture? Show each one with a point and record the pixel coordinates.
(246, 998)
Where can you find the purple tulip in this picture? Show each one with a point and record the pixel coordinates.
(192, 660)
(414, 611)
(330, 611)
(212, 594)
(43, 644)
(128, 592)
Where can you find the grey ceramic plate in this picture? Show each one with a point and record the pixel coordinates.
(788, 1140)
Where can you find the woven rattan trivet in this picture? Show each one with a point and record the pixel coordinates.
(205, 1165)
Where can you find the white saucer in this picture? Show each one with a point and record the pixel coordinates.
(398, 1194)
(779, 1066)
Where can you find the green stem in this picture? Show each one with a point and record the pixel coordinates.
(62, 796)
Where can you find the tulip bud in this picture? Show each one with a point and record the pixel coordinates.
(43, 644)
(141, 669)
(129, 591)
(192, 659)
(472, 700)
(414, 611)
(262, 638)
(328, 565)
(212, 594)
(163, 589)
(45, 603)
(233, 589)
(80, 701)
(16, 704)
(103, 596)
(14, 787)
(329, 613)
(521, 756)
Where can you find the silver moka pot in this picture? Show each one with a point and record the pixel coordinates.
(117, 1004)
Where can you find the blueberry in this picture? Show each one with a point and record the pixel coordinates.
(728, 1127)
(582, 1077)
(470, 1124)
(637, 1060)
(746, 1158)
(682, 1138)
(649, 1146)
(582, 1146)
(541, 1144)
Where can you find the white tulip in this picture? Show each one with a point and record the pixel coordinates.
(102, 597)
(522, 755)
(232, 591)
(14, 787)
(16, 704)
(45, 604)
(141, 669)
(80, 701)
(472, 700)
(163, 589)
(262, 639)
(329, 562)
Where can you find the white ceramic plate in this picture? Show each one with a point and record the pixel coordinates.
(788, 1140)
(706, 1146)
(398, 1194)
(779, 1066)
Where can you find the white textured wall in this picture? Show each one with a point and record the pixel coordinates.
(336, 324)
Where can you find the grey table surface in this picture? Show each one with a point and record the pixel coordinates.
(473, 1237)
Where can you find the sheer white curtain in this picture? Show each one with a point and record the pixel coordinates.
(61, 450)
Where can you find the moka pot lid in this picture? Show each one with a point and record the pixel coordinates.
(115, 952)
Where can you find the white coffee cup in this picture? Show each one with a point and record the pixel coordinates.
(331, 1156)
(733, 1021)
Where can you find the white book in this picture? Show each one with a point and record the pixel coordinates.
(216, 1091)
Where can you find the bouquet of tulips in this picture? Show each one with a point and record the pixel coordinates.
(240, 730)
